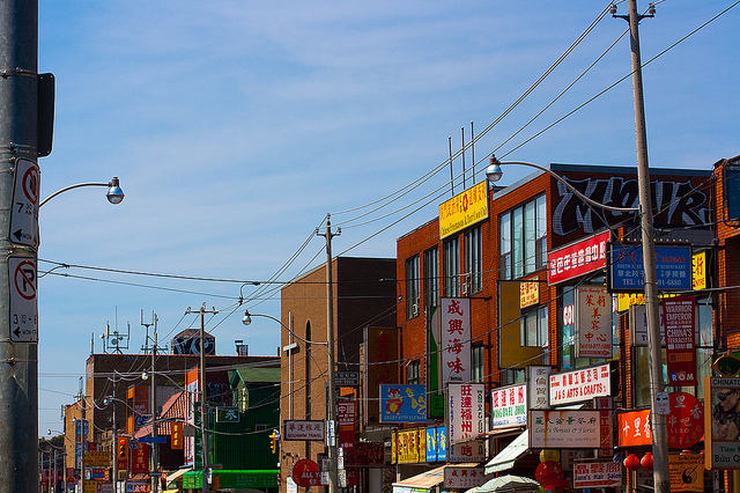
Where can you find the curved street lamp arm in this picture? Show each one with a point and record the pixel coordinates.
(570, 187)
(72, 187)
(247, 314)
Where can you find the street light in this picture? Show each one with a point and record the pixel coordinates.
(247, 320)
(114, 194)
(657, 386)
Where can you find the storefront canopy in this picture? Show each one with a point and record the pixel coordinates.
(174, 476)
(508, 483)
(507, 457)
(425, 481)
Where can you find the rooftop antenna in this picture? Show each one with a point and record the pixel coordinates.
(462, 149)
(92, 343)
(452, 178)
(115, 340)
(472, 148)
(155, 346)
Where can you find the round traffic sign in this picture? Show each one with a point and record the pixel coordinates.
(25, 279)
(31, 184)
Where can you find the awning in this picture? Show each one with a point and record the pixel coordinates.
(508, 483)
(174, 476)
(506, 458)
(505, 432)
(426, 480)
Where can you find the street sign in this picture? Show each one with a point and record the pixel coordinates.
(154, 439)
(24, 216)
(23, 312)
(346, 379)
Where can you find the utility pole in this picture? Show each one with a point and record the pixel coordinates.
(55, 482)
(114, 447)
(83, 434)
(660, 438)
(18, 145)
(331, 449)
(154, 457)
(202, 391)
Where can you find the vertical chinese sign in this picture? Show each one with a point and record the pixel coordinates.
(346, 418)
(466, 419)
(455, 340)
(594, 325)
(177, 436)
(680, 338)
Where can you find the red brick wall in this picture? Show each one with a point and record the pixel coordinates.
(728, 260)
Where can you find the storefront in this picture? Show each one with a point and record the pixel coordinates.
(265, 480)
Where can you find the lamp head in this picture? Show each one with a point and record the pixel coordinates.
(115, 195)
(144, 375)
(493, 171)
(247, 318)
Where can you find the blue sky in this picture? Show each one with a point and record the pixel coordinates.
(235, 126)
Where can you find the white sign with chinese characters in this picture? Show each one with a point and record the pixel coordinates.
(509, 406)
(537, 387)
(467, 412)
(593, 322)
(462, 478)
(580, 385)
(566, 429)
(303, 430)
(468, 452)
(455, 340)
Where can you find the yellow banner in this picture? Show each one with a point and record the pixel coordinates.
(626, 300)
(529, 294)
(463, 210)
(699, 270)
(409, 447)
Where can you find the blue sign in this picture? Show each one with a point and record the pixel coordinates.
(673, 268)
(431, 442)
(151, 439)
(403, 403)
(441, 443)
(436, 443)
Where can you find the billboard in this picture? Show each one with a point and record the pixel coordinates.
(403, 403)
(463, 210)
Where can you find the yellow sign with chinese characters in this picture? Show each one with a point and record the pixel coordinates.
(699, 270)
(463, 210)
(529, 293)
(411, 446)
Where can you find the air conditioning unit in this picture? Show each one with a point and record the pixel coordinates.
(465, 285)
(415, 310)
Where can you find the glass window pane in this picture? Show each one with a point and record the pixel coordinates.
(531, 322)
(529, 237)
(542, 327)
(517, 243)
(505, 233)
(541, 216)
(431, 278)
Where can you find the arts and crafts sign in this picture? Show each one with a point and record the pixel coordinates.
(560, 429)
(466, 411)
(580, 385)
(509, 406)
(593, 322)
(680, 337)
(575, 260)
(403, 403)
(455, 340)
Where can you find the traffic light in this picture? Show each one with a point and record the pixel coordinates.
(274, 441)
(122, 453)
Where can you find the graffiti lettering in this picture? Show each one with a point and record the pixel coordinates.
(675, 204)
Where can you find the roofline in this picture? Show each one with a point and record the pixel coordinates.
(336, 260)
(435, 218)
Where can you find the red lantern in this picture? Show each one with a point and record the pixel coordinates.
(548, 473)
(632, 462)
(647, 460)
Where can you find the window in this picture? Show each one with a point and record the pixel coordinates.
(533, 327)
(413, 372)
(523, 239)
(412, 287)
(473, 260)
(431, 277)
(477, 354)
(307, 364)
(452, 267)
(510, 376)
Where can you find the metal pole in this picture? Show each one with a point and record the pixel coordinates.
(18, 138)
(153, 412)
(452, 177)
(83, 436)
(660, 439)
(56, 482)
(202, 385)
(114, 447)
(331, 451)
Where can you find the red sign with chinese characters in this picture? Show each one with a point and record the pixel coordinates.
(680, 337)
(122, 454)
(685, 424)
(306, 473)
(455, 340)
(140, 459)
(346, 417)
(577, 259)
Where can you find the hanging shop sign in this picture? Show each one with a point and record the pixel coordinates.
(455, 340)
(463, 478)
(685, 423)
(509, 406)
(680, 336)
(306, 473)
(365, 454)
(177, 435)
(346, 419)
(463, 210)
(580, 385)
(529, 293)
(303, 430)
(409, 446)
(577, 259)
(537, 387)
(562, 429)
(673, 268)
(402, 403)
(634, 429)
(467, 452)
(699, 270)
(722, 439)
(686, 472)
(466, 419)
(597, 475)
(593, 322)
(140, 459)
(436, 444)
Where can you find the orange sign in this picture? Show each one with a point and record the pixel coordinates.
(699, 271)
(176, 438)
(634, 429)
(529, 293)
(686, 472)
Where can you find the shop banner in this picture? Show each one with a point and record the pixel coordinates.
(303, 430)
(634, 429)
(431, 449)
(346, 420)
(680, 337)
(685, 423)
(580, 385)
(563, 429)
(673, 268)
(722, 439)
(537, 387)
(575, 260)
(409, 446)
(686, 472)
(455, 340)
(509, 406)
(468, 452)
(597, 475)
(466, 411)
(403, 403)
(593, 322)
(140, 459)
(464, 209)
(441, 443)
(436, 444)
(463, 478)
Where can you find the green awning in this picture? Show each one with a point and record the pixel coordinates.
(224, 478)
(258, 375)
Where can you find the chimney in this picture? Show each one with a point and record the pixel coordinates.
(241, 348)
